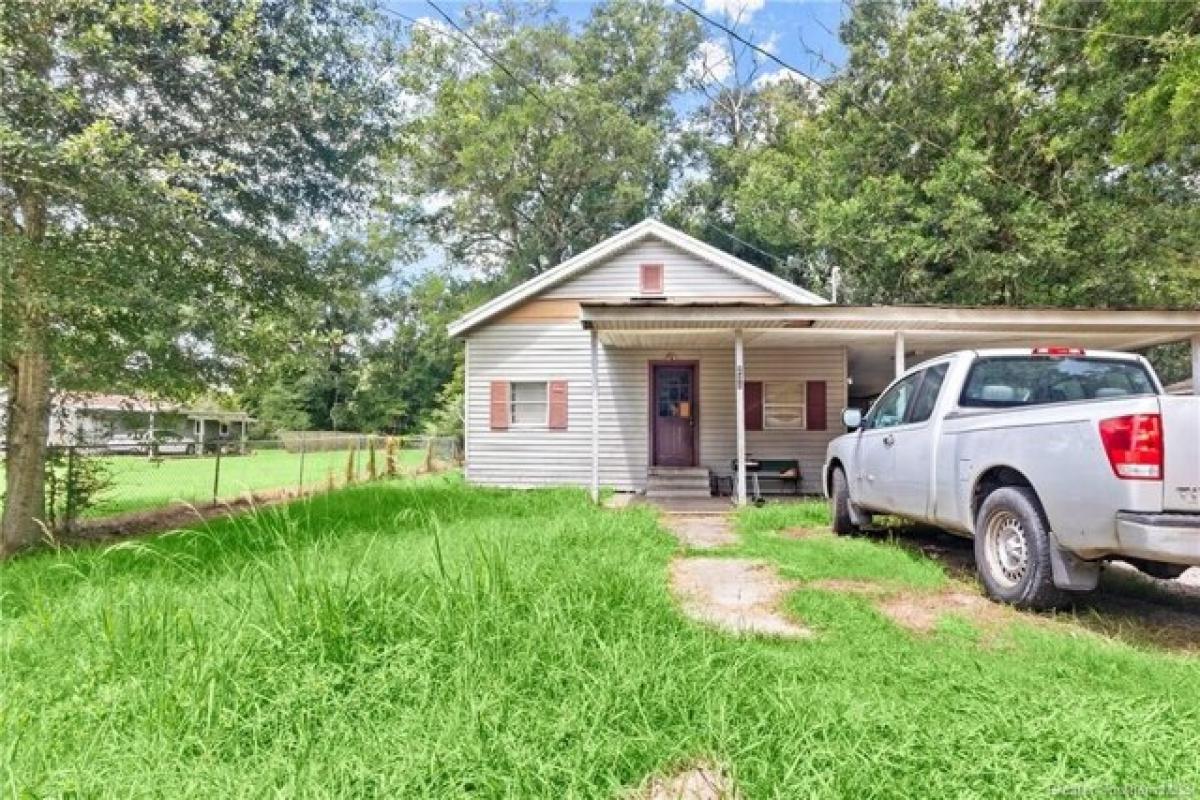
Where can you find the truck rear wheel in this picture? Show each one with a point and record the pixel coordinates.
(839, 504)
(1012, 550)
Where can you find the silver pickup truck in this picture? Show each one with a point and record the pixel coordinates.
(1053, 459)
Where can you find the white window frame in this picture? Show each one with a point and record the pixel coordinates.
(512, 403)
(802, 406)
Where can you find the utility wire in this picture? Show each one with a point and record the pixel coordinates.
(916, 137)
(1098, 32)
(499, 64)
(464, 37)
(470, 40)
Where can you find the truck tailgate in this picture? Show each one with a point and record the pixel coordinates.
(1181, 432)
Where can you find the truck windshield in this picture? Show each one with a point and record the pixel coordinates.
(1007, 381)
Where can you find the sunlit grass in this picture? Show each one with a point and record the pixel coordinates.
(429, 639)
(139, 483)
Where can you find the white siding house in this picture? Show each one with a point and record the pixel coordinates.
(632, 360)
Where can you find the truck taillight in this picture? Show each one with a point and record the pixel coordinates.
(1134, 445)
(1059, 351)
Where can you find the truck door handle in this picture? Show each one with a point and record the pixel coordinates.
(889, 440)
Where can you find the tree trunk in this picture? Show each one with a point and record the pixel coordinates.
(23, 329)
(28, 420)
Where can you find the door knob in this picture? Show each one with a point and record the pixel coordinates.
(889, 440)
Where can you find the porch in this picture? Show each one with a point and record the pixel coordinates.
(795, 367)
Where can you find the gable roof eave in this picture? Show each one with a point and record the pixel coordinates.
(784, 290)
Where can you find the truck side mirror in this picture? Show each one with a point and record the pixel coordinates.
(852, 418)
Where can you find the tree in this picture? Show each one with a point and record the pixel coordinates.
(157, 163)
(524, 166)
(400, 375)
(966, 155)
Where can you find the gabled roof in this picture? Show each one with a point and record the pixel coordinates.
(786, 291)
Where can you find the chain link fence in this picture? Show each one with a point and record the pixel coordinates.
(86, 484)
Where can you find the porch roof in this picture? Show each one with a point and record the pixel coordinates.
(937, 328)
(880, 340)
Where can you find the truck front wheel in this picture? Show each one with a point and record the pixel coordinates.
(1012, 550)
(839, 504)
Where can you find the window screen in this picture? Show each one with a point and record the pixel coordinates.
(783, 405)
(528, 402)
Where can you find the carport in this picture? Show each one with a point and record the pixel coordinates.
(878, 342)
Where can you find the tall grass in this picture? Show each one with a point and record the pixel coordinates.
(428, 639)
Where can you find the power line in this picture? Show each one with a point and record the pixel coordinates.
(552, 109)
(1097, 32)
(499, 64)
(744, 243)
(464, 36)
(916, 137)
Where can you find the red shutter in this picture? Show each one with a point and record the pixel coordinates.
(499, 405)
(754, 405)
(816, 412)
(652, 278)
(558, 405)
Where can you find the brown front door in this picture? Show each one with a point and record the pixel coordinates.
(673, 415)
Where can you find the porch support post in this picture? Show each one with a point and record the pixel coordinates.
(899, 353)
(1196, 363)
(739, 379)
(595, 416)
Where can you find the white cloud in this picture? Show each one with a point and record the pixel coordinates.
(781, 76)
(711, 63)
(740, 10)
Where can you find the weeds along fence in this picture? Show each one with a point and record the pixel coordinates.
(94, 482)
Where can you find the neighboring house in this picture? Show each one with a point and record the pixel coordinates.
(91, 419)
(654, 356)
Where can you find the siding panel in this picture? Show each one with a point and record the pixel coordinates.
(542, 457)
(683, 276)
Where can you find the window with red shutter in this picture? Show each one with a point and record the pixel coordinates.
(754, 405)
(558, 406)
(652, 279)
(817, 405)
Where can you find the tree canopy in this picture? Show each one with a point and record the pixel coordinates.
(159, 165)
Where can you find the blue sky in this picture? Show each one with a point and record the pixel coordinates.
(801, 32)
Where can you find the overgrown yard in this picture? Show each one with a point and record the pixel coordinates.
(423, 638)
(139, 483)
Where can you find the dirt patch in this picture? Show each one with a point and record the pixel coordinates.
(619, 500)
(920, 612)
(701, 532)
(1128, 605)
(177, 515)
(805, 533)
(699, 782)
(734, 594)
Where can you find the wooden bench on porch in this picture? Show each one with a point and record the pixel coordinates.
(784, 470)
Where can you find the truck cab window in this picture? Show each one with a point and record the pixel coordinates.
(927, 395)
(891, 409)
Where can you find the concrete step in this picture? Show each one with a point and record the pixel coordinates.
(678, 472)
(676, 494)
(683, 483)
(678, 480)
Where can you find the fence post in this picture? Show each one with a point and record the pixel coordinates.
(72, 480)
(300, 487)
(217, 474)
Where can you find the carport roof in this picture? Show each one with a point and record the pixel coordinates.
(1128, 327)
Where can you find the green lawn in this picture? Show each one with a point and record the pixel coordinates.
(421, 638)
(139, 483)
